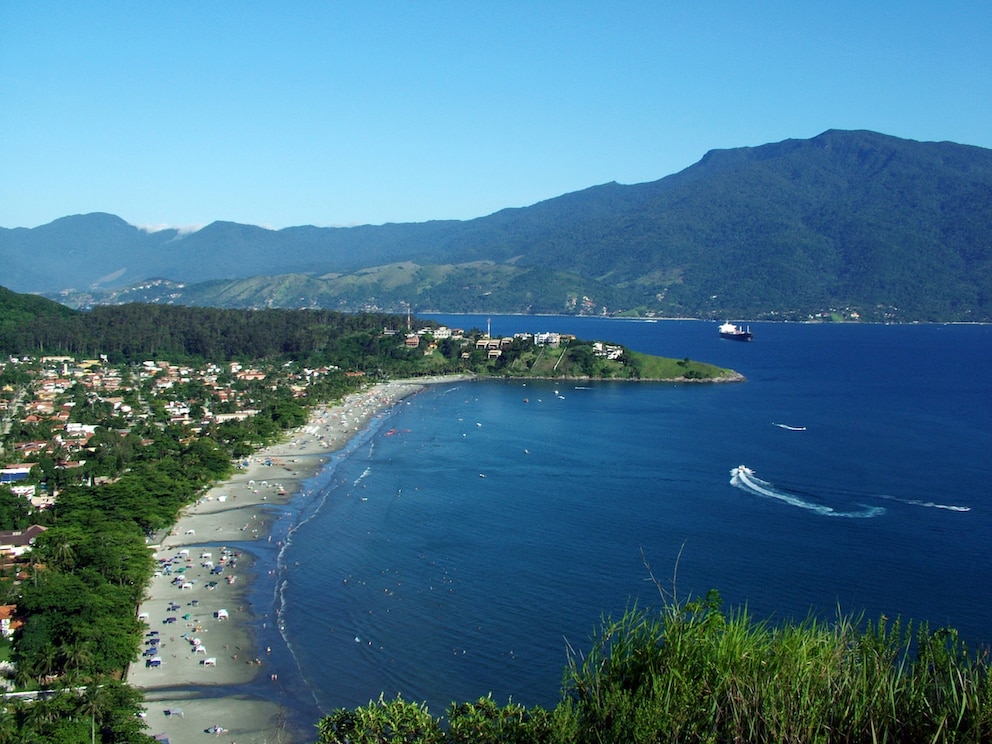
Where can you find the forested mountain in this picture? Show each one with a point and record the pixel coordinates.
(855, 222)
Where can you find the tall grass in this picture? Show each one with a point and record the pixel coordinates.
(695, 674)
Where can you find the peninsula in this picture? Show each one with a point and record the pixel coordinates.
(552, 355)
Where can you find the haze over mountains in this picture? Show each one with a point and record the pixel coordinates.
(858, 223)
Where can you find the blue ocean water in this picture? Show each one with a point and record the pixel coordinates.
(464, 541)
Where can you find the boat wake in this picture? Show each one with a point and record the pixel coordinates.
(927, 504)
(360, 478)
(744, 478)
(790, 428)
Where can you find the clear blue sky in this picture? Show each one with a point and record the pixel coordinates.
(343, 113)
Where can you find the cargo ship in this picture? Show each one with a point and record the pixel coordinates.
(735, 332)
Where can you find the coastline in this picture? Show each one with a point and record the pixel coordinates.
(210, 655)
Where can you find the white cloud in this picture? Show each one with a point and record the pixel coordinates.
(183, 230)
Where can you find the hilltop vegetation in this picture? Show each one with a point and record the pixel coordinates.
(694, 673)
(853, 225)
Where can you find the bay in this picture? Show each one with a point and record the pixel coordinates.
(464, 542)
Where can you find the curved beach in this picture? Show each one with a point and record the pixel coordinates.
(201, 626)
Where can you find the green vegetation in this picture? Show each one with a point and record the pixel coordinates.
(588, 359)
(134, 333)
(663, 368)
(693, 673)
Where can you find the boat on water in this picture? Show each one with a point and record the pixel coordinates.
(735, 332)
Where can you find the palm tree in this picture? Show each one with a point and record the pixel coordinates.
(9, 730)
(78, 656)
(46, 662)
(93, 702)
(63, 553)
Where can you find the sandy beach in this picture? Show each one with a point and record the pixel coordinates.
(200, 633)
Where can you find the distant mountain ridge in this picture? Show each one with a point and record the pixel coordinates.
(854, 222)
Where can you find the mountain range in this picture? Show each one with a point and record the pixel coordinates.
(852, 224)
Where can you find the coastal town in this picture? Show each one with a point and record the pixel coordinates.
(65, 424)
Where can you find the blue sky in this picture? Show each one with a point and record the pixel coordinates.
(344, 113)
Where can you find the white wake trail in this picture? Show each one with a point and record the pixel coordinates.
(790, 428)
(927, 504)
(744, 478)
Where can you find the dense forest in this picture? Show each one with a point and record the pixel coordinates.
(135, 332)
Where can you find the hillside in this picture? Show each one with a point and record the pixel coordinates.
(852, 222)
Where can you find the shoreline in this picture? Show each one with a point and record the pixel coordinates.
(198, 605)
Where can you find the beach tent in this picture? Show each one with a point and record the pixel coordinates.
(199, 650)
(174, 712)
(222, 614)
(212, 661)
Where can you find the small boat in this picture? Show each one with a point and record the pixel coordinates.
(742, 470)
(735, 332)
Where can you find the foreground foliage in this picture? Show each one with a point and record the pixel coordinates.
(694, 673)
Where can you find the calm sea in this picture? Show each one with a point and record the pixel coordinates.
(463, 542)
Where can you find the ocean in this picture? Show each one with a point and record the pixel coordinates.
(478, 531)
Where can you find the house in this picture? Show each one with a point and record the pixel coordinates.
(8, 623)
(11, 473)
(18, 542)
(548, 339)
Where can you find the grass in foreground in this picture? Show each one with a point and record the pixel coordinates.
(693, 673)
